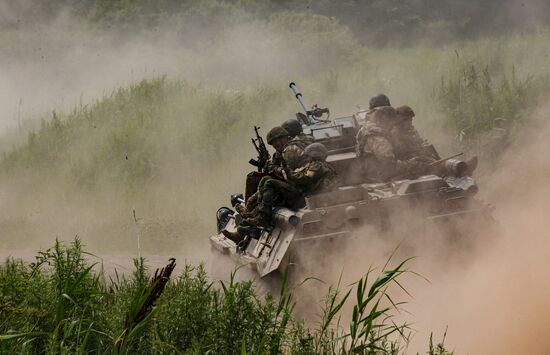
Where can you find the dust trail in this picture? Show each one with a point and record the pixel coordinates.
(495, 298)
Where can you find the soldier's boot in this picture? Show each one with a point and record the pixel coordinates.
(245, 213)
(240, 209)
(235, 237)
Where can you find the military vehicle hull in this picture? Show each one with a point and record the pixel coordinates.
(439, 205)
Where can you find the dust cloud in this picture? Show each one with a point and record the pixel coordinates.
(495, 298)
(61, 63)
(490, 291)
(58, 63)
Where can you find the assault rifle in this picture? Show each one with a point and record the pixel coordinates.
(263, 153)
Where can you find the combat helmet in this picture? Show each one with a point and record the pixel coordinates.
(316, 151)
(378, 101)
(276, 132)
(293, 127)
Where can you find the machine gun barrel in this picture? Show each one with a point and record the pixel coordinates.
(300, 99)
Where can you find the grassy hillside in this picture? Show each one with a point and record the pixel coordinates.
(175, 149)
(143, 133)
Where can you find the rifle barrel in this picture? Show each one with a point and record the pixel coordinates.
(445, 159)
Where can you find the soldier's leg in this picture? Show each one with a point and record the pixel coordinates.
(286, 192)
(248, 209)
(266, 201)
(261, 188)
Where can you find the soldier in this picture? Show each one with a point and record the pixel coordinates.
(314, 177)
(317, 175)
(380, 100)
(293, 127)
(374, 146)
(289, 153)
(293, 151)
(407, 142)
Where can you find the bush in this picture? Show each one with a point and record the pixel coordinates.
(475, 101)
(60, 305)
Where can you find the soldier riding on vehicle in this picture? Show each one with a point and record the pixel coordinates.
(407, 142)
(380, 100)
(375, 148)
(289, 152)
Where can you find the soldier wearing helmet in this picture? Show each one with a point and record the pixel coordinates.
(293, 127)
(289, 154)
(289, 146)
(376, 149)
(375, 102)
(317, 175)
(278, 138)
(406, 140)
(380, 124)
(298, 141)
(379, 100)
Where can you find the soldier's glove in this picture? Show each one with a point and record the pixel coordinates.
(285, 176)
(278, 171)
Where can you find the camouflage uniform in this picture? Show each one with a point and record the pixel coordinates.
(315, 177)
(287, 193)
(292, 155)
(407, 143)
(380, 163)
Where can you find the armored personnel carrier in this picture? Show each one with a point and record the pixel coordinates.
(444, 202)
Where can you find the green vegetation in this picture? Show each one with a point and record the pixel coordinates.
(377, 22)
(122, 139)
(472, 100)
(137, 137)
(60, 304)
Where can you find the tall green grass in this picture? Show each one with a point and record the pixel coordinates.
(62, 304)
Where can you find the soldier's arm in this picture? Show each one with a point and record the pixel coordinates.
(416, 138)
(304, 176)
(274, 166)
(294, 157)
(381, 148)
